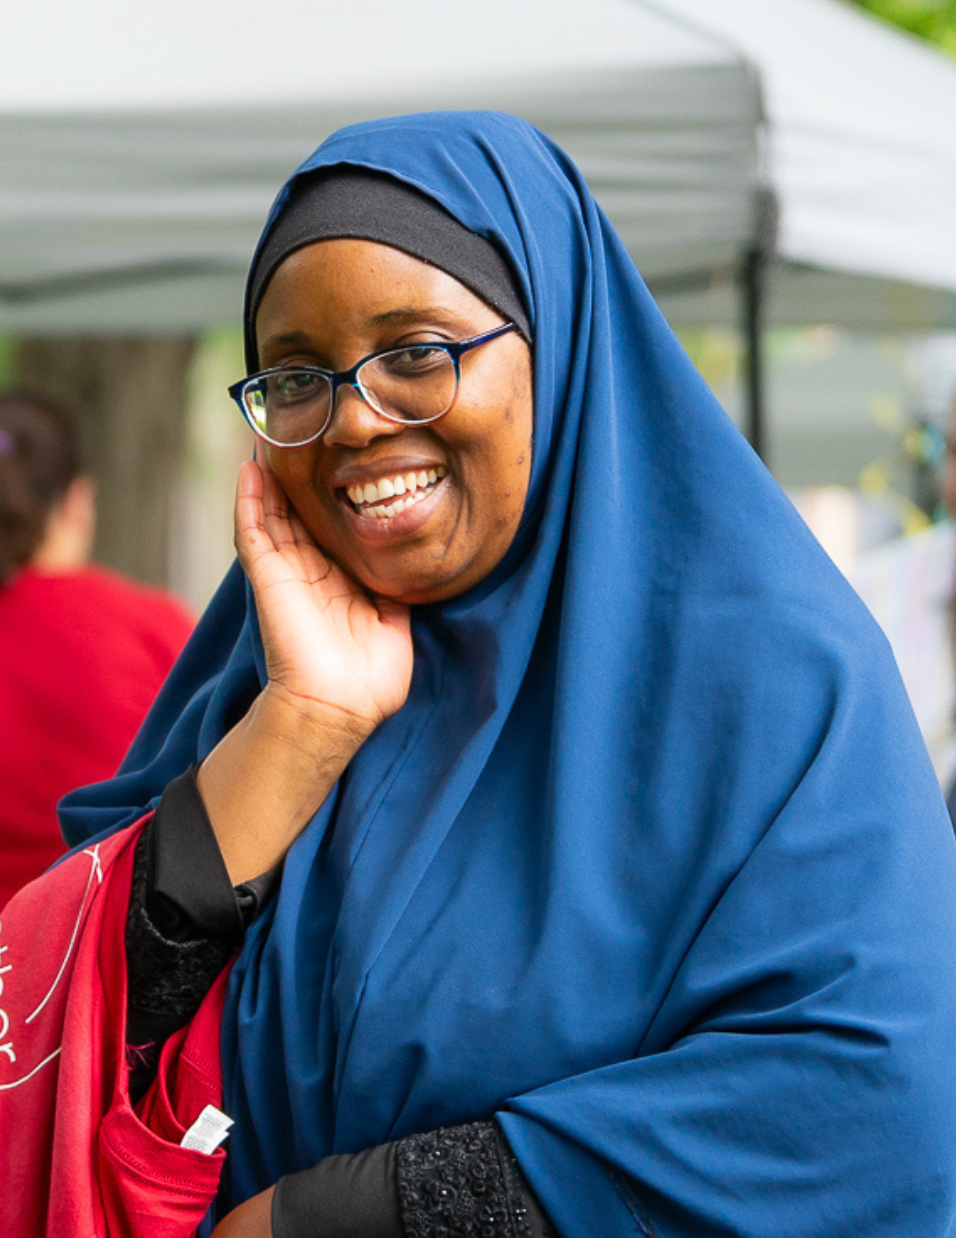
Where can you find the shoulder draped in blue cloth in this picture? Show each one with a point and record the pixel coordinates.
(652, 865)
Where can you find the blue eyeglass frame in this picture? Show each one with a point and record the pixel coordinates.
(350, 378)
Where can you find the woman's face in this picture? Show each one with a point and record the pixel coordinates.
(331, 304)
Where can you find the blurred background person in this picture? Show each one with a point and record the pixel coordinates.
(83, 650)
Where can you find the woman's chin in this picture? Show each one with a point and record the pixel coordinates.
(408, 557)
(414, 586)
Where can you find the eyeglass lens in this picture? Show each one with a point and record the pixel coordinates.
(412, 384)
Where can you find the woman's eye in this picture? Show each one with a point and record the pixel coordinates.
(296, 384)
(414, 359)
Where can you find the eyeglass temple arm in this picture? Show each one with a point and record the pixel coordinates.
(467, 345)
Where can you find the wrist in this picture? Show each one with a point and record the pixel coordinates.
(265, 780)
(319, 731)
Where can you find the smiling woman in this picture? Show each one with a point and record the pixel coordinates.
(365, 298)
(558, 802)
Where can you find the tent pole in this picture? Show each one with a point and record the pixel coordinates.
(752, 278)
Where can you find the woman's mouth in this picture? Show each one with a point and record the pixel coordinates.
(394, 494)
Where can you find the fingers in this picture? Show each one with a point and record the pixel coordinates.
(271, 541)
(258, 516)
(276, 511)
(249, 519)
(311, 552)
(261, 505)
(282, 523)
(249, 483)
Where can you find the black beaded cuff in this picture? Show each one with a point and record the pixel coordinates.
(185, 922)
(168, 977)
(463, 1182)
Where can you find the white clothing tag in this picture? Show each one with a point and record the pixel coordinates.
(208, 1131)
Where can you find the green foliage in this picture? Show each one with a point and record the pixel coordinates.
(933, 20)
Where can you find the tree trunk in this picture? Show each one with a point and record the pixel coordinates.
(129, 396)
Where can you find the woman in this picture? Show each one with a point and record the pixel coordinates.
(607, 839)
(83, 651)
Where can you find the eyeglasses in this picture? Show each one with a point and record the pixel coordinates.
(291, 406)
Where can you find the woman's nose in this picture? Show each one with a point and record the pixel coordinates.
(354, 423)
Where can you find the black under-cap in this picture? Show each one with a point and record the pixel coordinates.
(349, 201)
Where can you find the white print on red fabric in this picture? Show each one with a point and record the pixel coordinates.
(76, 1158)
(7, 1044)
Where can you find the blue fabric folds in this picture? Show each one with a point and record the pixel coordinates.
(652, 865)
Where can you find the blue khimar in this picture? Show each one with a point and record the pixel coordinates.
(652, 866)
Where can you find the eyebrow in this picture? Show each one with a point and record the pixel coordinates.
(404, 313)
(280, 341)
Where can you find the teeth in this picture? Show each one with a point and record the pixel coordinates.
(414, 485)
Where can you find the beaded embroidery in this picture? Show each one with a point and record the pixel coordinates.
(452, 1184)
(171, 977)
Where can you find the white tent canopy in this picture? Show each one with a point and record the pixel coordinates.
(140, 145)
(859, 148)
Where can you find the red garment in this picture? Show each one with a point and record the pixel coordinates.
(81, 658)
(76, 1161)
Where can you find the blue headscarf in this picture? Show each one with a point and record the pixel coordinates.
(652, 865)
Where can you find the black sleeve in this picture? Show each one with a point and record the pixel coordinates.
(189, 894)
(454, 1182)
(185, 922)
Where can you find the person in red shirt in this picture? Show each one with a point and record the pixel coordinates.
(83, 650)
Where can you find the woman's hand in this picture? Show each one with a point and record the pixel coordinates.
(333, 650)
(249, 1220)
(339, 663)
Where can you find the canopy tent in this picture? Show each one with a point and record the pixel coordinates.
(859, 151)
(140, 146)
